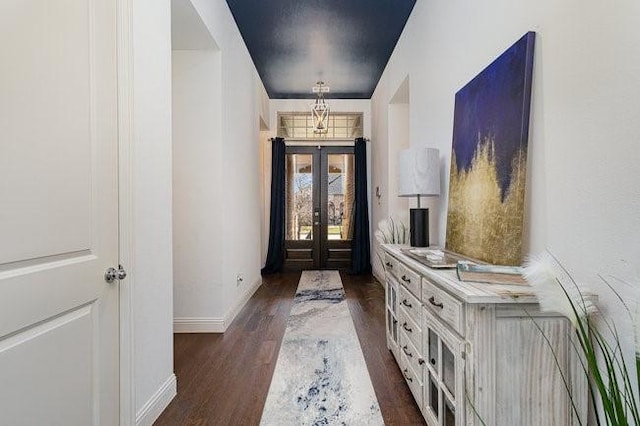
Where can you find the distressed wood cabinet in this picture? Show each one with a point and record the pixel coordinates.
(472, 351)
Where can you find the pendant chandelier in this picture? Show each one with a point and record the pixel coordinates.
(320, 109)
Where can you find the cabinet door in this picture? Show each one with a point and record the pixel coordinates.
(444, 373)
(392, 316)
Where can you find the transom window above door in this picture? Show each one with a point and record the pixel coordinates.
(299, 125)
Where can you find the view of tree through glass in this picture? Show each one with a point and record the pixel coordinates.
(299, 197)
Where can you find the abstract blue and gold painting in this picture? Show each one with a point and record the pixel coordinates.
(485, 218)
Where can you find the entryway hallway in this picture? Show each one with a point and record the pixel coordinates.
(223, 379)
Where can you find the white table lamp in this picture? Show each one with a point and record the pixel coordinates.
(419, 176)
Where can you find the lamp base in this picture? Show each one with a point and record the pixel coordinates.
(419, 224)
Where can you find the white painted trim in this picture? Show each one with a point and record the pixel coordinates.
(235, 310)
(150, 411)
(214, 324)
(198, 325)
(124, 52)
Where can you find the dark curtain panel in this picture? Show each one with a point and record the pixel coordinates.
(275, 254)
(360, 247)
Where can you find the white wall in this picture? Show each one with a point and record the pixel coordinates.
(583, 189)
(224, 181)
(384, 153)
(151, 210)
(197, 181)
(386, 179)
(399, 128)
(197, 165)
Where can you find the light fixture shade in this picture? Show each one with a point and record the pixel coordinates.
(320, 117)
(320, 109)
(419, 172)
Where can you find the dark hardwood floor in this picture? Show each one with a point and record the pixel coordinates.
(223, 379)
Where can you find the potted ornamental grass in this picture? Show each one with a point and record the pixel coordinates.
(613, 385)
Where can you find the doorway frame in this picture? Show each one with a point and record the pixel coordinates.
(124, 59)
(320, 244)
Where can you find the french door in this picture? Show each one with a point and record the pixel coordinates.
(319, 207)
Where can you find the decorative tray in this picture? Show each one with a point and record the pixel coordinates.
(434, 257)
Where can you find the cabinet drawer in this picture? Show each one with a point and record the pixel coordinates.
(392, 266)
(412, 355)
(442, 305)
(409, 279)
(411, 305)
(410, 329)
(412, 380)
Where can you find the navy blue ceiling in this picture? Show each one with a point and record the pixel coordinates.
(345, 43)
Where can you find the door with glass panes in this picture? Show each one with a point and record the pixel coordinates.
(319, 201)
(444, 403)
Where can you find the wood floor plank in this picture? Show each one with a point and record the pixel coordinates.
(223, 379)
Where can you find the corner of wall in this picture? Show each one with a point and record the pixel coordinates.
(378, 274)
(152, 409)
(215, 324)
(241, 302)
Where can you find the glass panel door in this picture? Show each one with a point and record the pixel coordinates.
(448, 369)
(302, 170)
(392, 320)
(340, 197)
(319, 201)
(449, 415)
(444, 398)
(338, 193)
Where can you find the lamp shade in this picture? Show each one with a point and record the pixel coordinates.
(419, 172)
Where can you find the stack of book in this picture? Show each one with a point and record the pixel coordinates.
(493, 274)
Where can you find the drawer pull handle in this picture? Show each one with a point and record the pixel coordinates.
(389, 265)
(405, 279)
(404, 325)
(395, 321)
(432, 361)
(405, 303)
(420, 361)
(406, 352)
(432, 300)
(406, 375)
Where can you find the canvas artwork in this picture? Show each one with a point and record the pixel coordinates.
(485, 217)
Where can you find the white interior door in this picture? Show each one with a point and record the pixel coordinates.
(58, 213)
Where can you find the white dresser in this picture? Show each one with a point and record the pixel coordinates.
(472, 351)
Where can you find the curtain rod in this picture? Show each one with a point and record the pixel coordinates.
(315, 142)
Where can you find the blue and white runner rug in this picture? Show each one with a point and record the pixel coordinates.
(321, 377)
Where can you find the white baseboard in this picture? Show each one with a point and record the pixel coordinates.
(150, 412)
(214, 324)
(198, 325)
(235, 310)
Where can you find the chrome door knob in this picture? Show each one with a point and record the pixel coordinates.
(112, 274)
